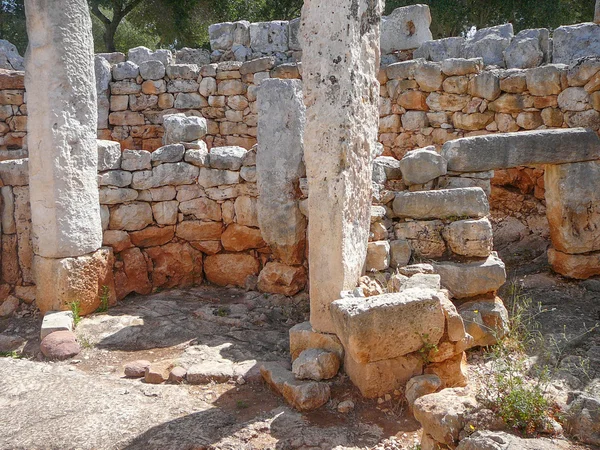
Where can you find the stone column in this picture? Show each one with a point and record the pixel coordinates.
(340, 45)
(61, 104)
(597, 12)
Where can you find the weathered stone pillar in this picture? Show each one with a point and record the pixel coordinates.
(597, 12)
(340, 44)
(61, 103)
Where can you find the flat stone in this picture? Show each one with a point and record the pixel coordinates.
(573, 42)
(486, 320)
(158, 372)
(316, 364)
(302, 395)
(503, 151)
(443, 203)
(471, 279)
(572, 200)
(378, 378)
(210, 371)
(303, 337)
(579, 267)
(168, 154)
(422, 281)
(136, 369)
(227, 158)
(56, 321)
(441, 49)
(422, 165)
(60, 345)
(461, 66)
(408, 317)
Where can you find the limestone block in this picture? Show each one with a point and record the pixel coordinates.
(221, 35)
(421, 166)
(113, 196)
(62, 168)
(378, 378)
(198, 157)
(423, 237)
(269, 37)
(62, 281)
(502, 151)
(404, 69)
(573, 210)
(489, 44)
(303, 337)
(9, 56)
(587, 119)
(441, 49)
(152, 70)
(443, 415)
(102, 71)
(471, 279)
(56, 321)
(181, 128)
(429, 76)
(168, 154)
(400, 253)
(279, 166)
(180, 86)
(443, 203)
(216, 177)
(165, 213)
(109, 155)
(190, 101)
(136, 160)
(238, 238)
(529, 48)
(131, 216)
(513, 81)
(447, 102)
(227, 158)
(193, 230)
(294, 31)
(545, 80)
(580, 73)
(278, 278)
(118, 178)
(421, 385)
(414, 120)
(574, 42)
(125, 70)
(470, 237)
(485, 85)
(410, 318)
(246, 211)
(405, 28)
(140, 54)
(183, 71)
(302, 395)
(378, 256)
(208, 87)
(574, 99)
(233, 269)
(579, 266)
(486, 320)
(461, 66)
(316, 364)
(14, 172)
(339, 142)
(202, 208)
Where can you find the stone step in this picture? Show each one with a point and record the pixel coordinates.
(442, 204)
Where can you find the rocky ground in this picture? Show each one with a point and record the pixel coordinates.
(88, 403)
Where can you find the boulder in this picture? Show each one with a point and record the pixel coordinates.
(529, 48)
(279, 278)
(508, 150)
(573, 42)
(389, 325)
(405, 28)
(302, 395)
(442, 204)
(303, 337)
(473, 237)
(441, 49)
(580, 266)
(316, 364)
(422, 165)
(490, 44)
(421, 385)
(485, 319)
(60, 345)
(225, 269)
(136, 369)
(474, 278)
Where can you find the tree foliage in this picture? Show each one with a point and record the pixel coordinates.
(12, 23)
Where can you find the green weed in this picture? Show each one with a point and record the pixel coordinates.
(104, 299)
(76, 310)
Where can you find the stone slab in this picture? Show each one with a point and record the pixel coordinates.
(444, 203)
(507, 150)
(303, 337)
(56, 321)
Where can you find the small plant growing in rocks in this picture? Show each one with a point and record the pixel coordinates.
(427, 349)
(104, 299)
(75, 307)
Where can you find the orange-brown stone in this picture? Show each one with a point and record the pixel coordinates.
(239, 237)
(230, 268)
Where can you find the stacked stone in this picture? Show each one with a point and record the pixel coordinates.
(13, 115)
(244, 41)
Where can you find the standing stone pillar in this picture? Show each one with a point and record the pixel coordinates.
(340, 59)
(597, 12)
(61, 104)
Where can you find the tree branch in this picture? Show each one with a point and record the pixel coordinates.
(96, 11)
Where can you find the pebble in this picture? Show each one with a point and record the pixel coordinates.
(136, 369)
(346, 406)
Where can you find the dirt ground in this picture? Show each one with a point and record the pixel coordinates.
(86, 403)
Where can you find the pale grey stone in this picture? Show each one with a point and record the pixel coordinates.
(208, 86)
(228, 158)
(183, 71)
(178, 86)
(241, 33)
(422, 165)
(181, 128)
(470, 237)
(400, 253)
(489, 44)
(461, 66)
(165, 213)
(462, 182)
(249, 174)
(405, 28)
(131, 217)
(573, 42)
(573, 99)
(136, 160)
(485, 85)
(407, 317)
(421, 385)
(152, 70)
(56, 321)
(422, 281)
(216, 177)
(197, 157)
(140, 54)
(168, 154)
(125, 70)
(269, 37)
(470, 279)
(258, 65)
(502, 151)
(63, 159)
(443, 203)
(174, 174)
(529, 48)
(102, 71)
(199, 56)
(113, 196)
(279, 166)
(316, 364)
(113, 57)
(441, 49)
(190, 100)
(109, 155)
(221, 35)
(119, 178)
(404, 69)
(414, 120)
(294, 29)
(390, 166)
(9, 57)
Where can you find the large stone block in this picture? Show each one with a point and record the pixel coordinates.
(441, 204)
(529, 48)
(232, 269)
(422, 165)
(424, 237)
(574, 42)
(62, 281)
(389, 325)
(573, 206)
(441, 49)
(580, 266)
(340, 136)
(470, 237)
(279, 278)
(269, 37)
(62, 122)
(181, 128)
(378, 378)
(474, 278)
(405, 28)
(279, 166)
(504, 151)
(489, 44)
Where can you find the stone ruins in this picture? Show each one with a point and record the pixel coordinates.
(368, 169)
